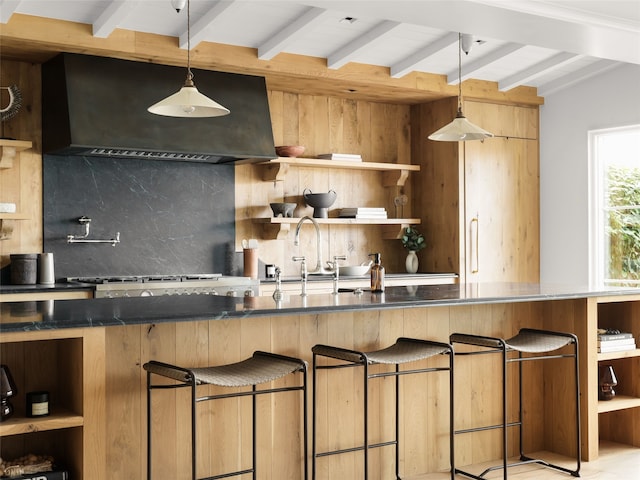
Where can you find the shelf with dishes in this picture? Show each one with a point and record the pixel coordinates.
(393, 174)
(278, 227)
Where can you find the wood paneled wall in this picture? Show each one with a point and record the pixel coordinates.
(379, 132)
(22, 184)
(224, 436)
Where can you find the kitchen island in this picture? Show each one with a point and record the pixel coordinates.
(89, 354)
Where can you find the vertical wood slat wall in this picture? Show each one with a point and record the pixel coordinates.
(224, 435)
(379, 132)
(22, 184)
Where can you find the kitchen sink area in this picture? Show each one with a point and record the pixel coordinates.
(318, 284)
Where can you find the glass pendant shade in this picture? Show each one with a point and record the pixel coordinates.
(459, 130)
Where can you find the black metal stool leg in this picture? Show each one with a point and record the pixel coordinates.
(261, 368)
(366, 420)
(539, 345)
(193, 430)
(148, 425)
(505, 436)
(397, 427)
(314, 408)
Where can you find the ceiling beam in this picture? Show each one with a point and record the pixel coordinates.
(410, 63)
(209, 19)
(537, 70)
(112, 16)
(497, 21)
(347, 53)
(278, 42)
(577, 76)
(7, 7)
(469, 69)
(38, 39)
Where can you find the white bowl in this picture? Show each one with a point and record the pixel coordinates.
(354, 270)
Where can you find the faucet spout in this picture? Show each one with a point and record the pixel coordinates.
(320, 269)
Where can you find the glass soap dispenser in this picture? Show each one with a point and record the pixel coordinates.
(377, 274)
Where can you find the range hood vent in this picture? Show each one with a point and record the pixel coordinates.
(96, 106)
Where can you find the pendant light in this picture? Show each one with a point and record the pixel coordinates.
(460, 129)
(188, 102)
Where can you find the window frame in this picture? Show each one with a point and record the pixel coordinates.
(596, 218)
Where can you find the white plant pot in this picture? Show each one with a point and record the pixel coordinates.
(411, 263)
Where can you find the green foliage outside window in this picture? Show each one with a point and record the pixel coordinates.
(623, 229)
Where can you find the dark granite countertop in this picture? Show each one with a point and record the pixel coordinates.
(56, 314)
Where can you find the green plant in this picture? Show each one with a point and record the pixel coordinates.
(623, 229)
(412, 239)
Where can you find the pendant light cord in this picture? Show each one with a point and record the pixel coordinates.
(189, 81)
(459, 73)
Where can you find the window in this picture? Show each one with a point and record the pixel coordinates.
(615, 206)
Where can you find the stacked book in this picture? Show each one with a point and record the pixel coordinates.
(363, 212)
(351, 157)
(616, 342)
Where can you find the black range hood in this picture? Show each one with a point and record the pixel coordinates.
(98, 106)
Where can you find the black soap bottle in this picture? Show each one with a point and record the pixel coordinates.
(377, 274)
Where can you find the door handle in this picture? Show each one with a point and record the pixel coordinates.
(475, 246)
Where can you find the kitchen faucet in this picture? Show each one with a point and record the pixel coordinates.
(303, 274)
(320, 268)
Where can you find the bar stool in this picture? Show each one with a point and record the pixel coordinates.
(262, 367)
(405, 350)
(538, 345)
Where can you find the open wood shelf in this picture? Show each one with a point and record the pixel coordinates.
(13, 216)
(616, 355)
(9, 149)
(395, 174)
(620, 402)
(7, 223)
(278, 227)
(56, 421)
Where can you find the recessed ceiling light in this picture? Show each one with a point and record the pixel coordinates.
(348, 20)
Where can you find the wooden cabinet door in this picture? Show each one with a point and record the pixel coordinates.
(501, 210)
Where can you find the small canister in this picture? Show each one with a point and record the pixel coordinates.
(24, 268)
(47, 276)
(38, 404)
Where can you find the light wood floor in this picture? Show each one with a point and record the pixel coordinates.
(616, 462)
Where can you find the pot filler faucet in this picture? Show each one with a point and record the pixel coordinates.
(320, 269)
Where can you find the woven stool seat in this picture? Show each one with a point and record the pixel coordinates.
(403, 351)
(534, 341)
(530, 345)
(527, 340)
(260, 368)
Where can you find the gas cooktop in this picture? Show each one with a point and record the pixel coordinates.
(145, 278)
(153, 285)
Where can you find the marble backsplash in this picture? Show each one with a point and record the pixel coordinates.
(173, 217)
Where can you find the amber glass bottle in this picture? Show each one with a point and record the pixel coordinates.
(377, 274)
